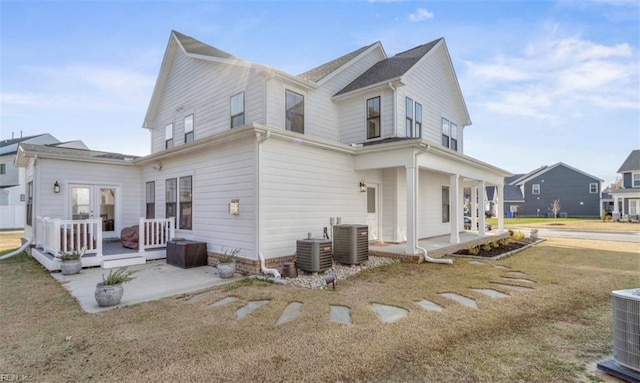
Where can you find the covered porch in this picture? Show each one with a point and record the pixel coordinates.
(53, 236)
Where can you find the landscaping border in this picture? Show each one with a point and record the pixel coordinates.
(500, 256)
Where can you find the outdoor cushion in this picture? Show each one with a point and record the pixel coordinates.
(129, 237)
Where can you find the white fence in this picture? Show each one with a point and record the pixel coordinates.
(156, 232)
(12, 217)
(57, 235)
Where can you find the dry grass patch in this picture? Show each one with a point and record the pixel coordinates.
(546, 335)
(10, 240)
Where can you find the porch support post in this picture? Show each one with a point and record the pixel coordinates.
(412, 203)
(482, 198)
(615, 214)
(454, 206)
(499, 207)
(474, 207)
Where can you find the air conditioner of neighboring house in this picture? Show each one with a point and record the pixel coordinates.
(313, 255)
(626, 328)
(350, 243)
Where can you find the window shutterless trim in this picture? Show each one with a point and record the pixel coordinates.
(294, 113)
(373, 108)
(236, 119)
(189, 134)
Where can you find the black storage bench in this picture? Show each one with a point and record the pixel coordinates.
(186, 254)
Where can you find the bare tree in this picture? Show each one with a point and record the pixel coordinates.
(555, 208)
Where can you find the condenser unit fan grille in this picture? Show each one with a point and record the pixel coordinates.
(350, 243)
(626, 328)
(313, 255)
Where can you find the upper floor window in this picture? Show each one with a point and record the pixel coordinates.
(295, 111)
(188, 129)
(445, 132)
(535, 189)
(418, 130)
(593, 188)
(373, 117)
(168, 136)
(237, 110)
(454, 137)
(409, 117)
(3, 168)
(151, 199)
(635, 180)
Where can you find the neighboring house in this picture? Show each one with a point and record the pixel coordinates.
(246, 156)
(532, 194)
(627, 198)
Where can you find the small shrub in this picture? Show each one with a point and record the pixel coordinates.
(518, 236)
(495, 244)
(473, 250)
(486, 246)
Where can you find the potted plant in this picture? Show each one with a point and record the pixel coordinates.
(534, 234)
(227, 263)
(109, 291)
(71, 262)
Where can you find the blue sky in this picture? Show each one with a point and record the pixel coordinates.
(544, 81)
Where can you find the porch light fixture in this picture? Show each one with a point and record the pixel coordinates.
(363, 186)
(56, 187)
(234, 207)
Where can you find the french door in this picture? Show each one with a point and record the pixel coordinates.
(96, 202)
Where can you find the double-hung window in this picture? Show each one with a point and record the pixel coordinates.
(409, 117)
(635, 180)
(188, 129)
(454, 137)
(185, 203)
(445, 132)
(151, 199)
(593, 188)
(3, 168)
(445, 204)
(418, 130)
(171, 197)
(295, 111)
(168, 136)
(237, 110)
(30, 203)
(535, 189)
(373, 117)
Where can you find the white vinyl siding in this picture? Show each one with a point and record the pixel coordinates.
(353, 117)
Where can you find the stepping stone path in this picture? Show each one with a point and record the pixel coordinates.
(501, 267)
(516, 274)
(491, 293)
(224, 301)
(291, 312)
(198, 297)
(477, 263)
(512, 287)
(249, 308)
(430, 306)
(461, 299)
(340, 314)
(389, 314)
(509, 279)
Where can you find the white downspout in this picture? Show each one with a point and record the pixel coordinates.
(427, 258)
(19, 250)
(393, 107)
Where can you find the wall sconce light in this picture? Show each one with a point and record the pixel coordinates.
(234, 207)
(157, 166)
(363, 186)
(56, 187)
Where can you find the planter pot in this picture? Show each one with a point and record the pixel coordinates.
(70, 267)
(108, 295)
(226, 270)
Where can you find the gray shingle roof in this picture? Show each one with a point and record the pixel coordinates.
(390, 68)
(194, 46)
(512, 193)
(632, 162)
(318, 73)
(72, 153)
(12, 141)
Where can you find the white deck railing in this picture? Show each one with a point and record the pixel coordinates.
(56, 235)
(154, 233)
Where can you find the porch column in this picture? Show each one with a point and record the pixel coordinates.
(474, 206)
(615, 214)
(412, 205)
(499, 207)
(454, 206)
(483, 198)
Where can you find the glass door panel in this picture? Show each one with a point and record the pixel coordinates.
(107, 197)
(81, 202)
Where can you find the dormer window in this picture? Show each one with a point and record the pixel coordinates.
(373, 117)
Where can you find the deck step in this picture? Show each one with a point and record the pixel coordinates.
(121, 262)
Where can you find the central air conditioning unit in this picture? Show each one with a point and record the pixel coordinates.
(313, 255)
(626, 328)
(350, 243)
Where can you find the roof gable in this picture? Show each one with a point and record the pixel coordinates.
(544, 169)
(74, 154)
(632, 163)
(327, 70)
(196, 47)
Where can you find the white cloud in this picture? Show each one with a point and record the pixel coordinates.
(420, 14)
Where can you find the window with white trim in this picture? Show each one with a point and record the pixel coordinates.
(445, 132)
(150, 199)
(294, 111)
(185, 203)
(171, 197)
(29, 208)
(418, 130)
(373, 117)
(454, 137)
(535, 189)
(409, 117)
(593, 188)
(237, 110)
(168, 136)
(635, 180)
(188, 128)
(445, 204)
(3, 168)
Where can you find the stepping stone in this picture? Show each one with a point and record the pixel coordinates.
(430, 306)
(389, 314)
(501, 267)
(517, 280)
(224, 301)
(477, 263)
(340, 314)
(491, 293)
(517, 274)
(460, 299)
(198, 297)
(249, 308)
(291, 312)
(512, 287)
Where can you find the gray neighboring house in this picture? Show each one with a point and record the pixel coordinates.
(627, 198)
(531, 194)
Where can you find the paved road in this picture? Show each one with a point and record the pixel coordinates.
(599, 235)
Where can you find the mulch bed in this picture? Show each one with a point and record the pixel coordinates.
(494, 252)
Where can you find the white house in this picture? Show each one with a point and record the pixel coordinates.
(247, 156)
(626, 200)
